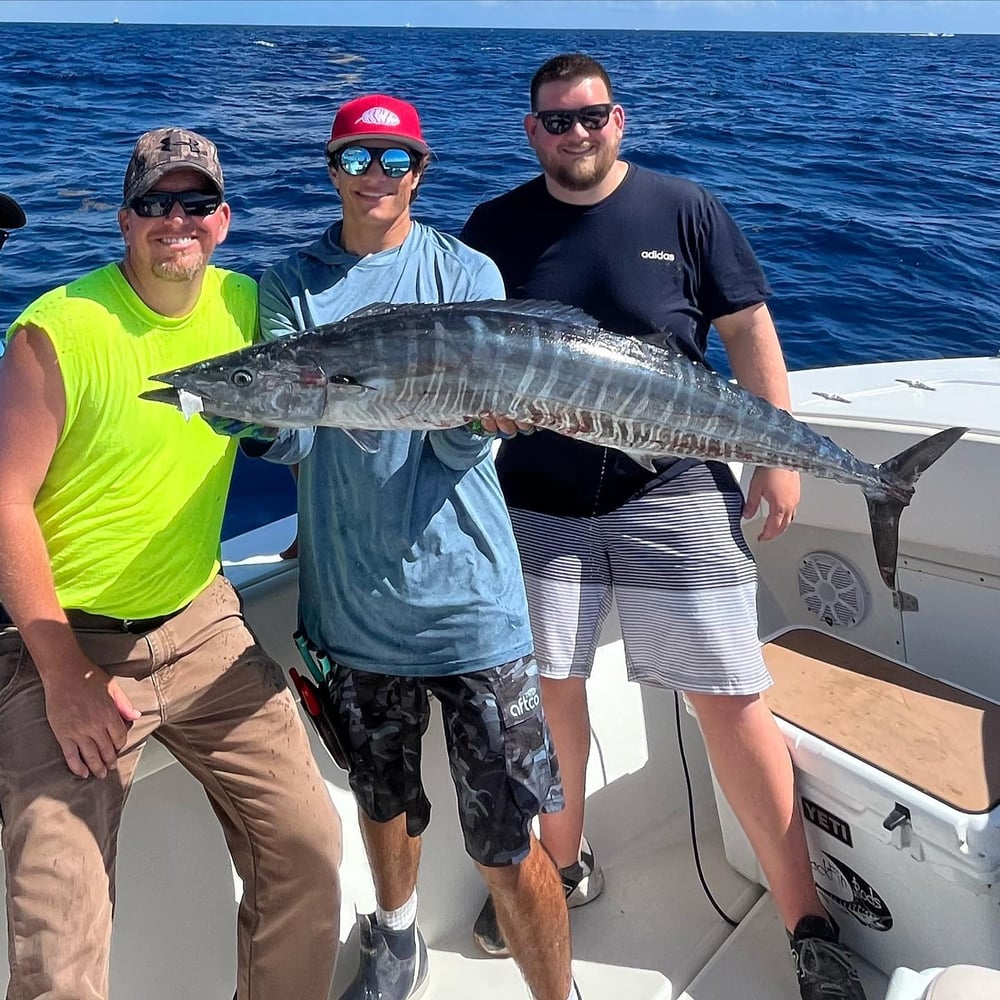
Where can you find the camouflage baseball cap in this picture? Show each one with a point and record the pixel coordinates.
(164, 149)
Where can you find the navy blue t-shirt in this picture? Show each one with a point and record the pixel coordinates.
(658, 259)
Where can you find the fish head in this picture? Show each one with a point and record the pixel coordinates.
(267, 385)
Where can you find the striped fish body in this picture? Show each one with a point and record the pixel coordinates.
(432, 366)
(435, 366)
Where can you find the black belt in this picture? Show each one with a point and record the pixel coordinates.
(84, 620)
(103, 623)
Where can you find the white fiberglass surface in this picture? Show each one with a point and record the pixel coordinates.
(956, 392)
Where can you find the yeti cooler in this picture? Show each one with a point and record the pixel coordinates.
(898, 779)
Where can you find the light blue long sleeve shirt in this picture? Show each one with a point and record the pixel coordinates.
(407, 560)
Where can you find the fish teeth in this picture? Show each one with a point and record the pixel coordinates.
(190, 403)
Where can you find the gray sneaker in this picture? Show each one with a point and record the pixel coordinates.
(822, 964)
(582, 884)
(393, 963)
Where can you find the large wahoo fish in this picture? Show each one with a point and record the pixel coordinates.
(433, 366)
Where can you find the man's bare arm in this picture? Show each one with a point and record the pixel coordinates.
(754, 353)
(86, 709)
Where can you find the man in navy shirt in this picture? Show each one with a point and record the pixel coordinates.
(657, 258)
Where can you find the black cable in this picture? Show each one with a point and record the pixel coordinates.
(694, 833)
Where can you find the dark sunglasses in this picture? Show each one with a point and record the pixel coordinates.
(157, 204)
(395, 161)
(593, 118)
(4, 236)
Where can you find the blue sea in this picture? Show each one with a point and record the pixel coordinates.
(865, 169)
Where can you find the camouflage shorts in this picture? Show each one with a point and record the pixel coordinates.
(502, 760)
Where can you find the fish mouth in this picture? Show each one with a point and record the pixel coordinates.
(188, 403)
(170, 396)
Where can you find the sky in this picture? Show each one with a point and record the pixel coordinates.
(938, 16)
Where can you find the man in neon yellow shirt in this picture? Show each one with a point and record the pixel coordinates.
(115, 624)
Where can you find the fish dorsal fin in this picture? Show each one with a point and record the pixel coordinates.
(374, 309)
(534, 308)
(539, 308)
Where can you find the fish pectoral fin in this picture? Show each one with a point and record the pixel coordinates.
(641, 458)
(365, 440)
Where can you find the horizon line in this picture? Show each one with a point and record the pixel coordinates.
(116, 23)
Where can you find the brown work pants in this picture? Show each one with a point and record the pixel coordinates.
(220, 705)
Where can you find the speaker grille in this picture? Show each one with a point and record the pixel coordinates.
(832, 590)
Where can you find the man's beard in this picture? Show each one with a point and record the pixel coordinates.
(583, 173)
(176, 271)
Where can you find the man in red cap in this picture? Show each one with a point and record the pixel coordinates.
(410, 581)
(116, 625)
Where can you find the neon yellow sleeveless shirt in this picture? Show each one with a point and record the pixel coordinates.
(131, 507)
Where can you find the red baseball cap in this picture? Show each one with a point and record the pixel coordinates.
(377, 116)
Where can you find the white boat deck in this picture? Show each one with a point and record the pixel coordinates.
(753, 964)
(652, 935)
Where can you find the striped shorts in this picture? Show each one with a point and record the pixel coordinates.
(681, 575)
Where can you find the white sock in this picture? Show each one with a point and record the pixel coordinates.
(573, 992)
(398, 920)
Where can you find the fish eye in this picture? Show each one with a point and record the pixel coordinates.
(343, 380)
(241, 378)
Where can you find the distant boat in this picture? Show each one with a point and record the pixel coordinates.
(116, 21)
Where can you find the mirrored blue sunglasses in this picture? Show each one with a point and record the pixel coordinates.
(395, 161)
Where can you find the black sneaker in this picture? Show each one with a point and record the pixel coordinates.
(822, 964)
(582, 883)
(486, 931)
(393, 963)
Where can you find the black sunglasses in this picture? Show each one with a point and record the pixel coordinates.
(593, 118)
(4, 236)
(395, 161)
(157, 204)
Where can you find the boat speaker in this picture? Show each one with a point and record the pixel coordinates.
(832, 589)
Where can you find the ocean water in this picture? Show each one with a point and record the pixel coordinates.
(865, 169)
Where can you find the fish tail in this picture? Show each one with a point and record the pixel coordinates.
(899, 475)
